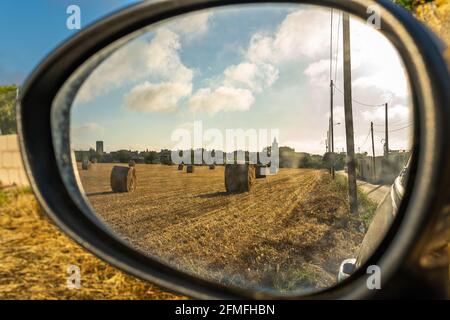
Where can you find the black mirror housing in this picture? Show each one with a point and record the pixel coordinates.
(43, 139)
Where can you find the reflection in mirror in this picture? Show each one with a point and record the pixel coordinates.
(216, 144)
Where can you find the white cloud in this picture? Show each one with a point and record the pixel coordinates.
(338, 114)
(140, 59)
(301, 34)
(123, 65)
(221, 99)
(296, 37)
(162, 58)
(85, 132)
(396, 112)
(319, 73)
(261, 49)
(387, 80)
(87, 128)
(162, 97)
(158, 59)
(316, 146)
(251, 75)
(243, 73)
(193, 25)
(377, 68)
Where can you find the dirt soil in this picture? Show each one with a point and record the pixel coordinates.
(290, 232)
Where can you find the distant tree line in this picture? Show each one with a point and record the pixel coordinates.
(288, 157)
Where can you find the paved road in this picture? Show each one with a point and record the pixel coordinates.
(375, 192)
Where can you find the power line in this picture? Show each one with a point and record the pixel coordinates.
(401, 128)
(395, 130)
(365, 141)
(395, 125)
(359, 102)
(401, 122)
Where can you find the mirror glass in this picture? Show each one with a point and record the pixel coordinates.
(249, 145)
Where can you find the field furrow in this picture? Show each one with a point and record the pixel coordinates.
(289, 231)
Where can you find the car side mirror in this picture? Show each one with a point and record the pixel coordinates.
(125, 132)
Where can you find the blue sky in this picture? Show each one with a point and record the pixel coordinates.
(263, 67)
(245, 68)
(30, 29)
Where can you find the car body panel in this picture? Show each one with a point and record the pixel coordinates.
(382, 220)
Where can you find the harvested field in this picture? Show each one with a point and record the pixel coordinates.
(291, 231)
(34, 257)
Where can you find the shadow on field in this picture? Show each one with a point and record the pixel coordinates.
(104, 193)
(373, 190)
(213, 195)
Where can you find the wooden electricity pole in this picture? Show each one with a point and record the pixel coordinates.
(351, 165)
(373, 152)
(386, 147)
(332, 130)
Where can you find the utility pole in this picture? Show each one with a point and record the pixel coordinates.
(332, 129)
(386, 146)
(351, 165)
(329, 143)
(373, 152)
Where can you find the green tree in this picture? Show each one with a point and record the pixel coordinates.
(166, 156)
(340, 161)
(123, 156)
(151, 157)
(305, 161)
(8, 110)
(411, 4)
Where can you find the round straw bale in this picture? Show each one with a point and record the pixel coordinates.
(123, 179)
(180, 167)
(239, 177)
(132, 163)
(85, 164)
(190, 169)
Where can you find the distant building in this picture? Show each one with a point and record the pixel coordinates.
(274, 144)
(99, 147)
